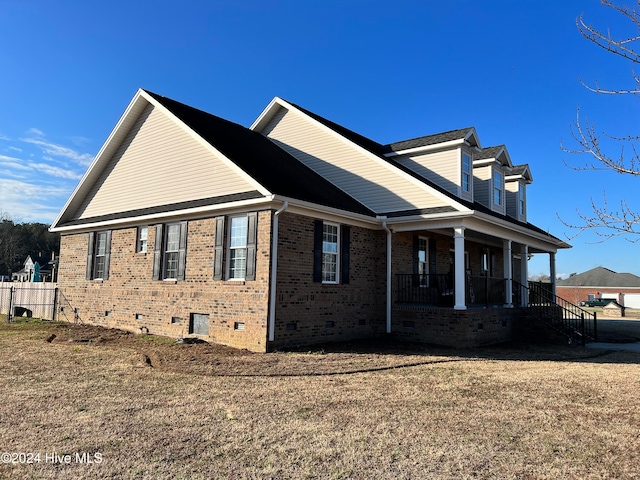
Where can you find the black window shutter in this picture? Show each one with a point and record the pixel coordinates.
(90, 256)
(252, 238)
(182, 255)
(317, 250)
(157, 253)
(432, 256)
(218, 251)
(107, 255)
(345, 252)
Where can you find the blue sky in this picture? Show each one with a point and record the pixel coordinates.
(388, 70)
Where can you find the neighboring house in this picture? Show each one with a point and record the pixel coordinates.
(26, 274)
(296, 231)
(601, 283)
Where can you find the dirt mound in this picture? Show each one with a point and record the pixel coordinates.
(202, 358)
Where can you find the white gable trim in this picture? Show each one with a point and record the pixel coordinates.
(128, 118)
(137, 105)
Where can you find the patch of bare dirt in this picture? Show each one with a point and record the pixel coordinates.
(202, 358)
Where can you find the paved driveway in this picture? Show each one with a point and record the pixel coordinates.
(618, 335)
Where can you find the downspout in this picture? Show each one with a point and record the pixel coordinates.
(384, 225)
(274, 272)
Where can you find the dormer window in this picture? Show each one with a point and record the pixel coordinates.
(522, 208)
(466, 173)
(498, 188)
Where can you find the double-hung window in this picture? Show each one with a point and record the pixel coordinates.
(521, 201)
(101, 255)
(466, 173)
(170, 251)
(498, 187)
(330, 236)
(423, 262)
(331, 253)
(141, 239)
(98, 255)
(235, 247)
(239, 227)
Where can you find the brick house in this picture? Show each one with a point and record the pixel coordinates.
(296, 231)
(601, 283)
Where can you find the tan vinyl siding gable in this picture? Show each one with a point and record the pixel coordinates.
(379, 188)
(159, 163)
(442, 168)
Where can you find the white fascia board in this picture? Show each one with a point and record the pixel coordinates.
(229, 163)
(266, 114)
(130, 115)
(185, 214)
(381, 162)
(427, 222)
(481, 223)
(485, 162)
(327, 213)
(427, 148)
(501, 228)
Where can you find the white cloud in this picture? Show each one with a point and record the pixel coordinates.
(55, 150)
(3, 137)
(12, 163)
(55, 171)
(42, 168)
(36, 132)
(29, 202)
(14, 149)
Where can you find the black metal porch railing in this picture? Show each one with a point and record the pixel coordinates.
(485, 290)
(576, 323)
(438, 290)
(430, 289)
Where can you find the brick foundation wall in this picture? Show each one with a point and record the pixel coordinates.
(456, 328)
(131, 300)
(308, 312)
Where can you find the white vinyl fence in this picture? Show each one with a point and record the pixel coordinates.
(32, 299)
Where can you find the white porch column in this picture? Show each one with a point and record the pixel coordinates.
(524, 273)
(459, 273)
(508, 273)
(552, 272)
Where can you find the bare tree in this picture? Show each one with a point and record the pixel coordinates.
(605, 221)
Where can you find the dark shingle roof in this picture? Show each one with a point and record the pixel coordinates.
(379, 150)
(601, 277)
(262, 159)
(167, 208)
(428, 140)
(487, 153)
(518, 169)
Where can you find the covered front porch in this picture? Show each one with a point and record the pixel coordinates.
(461, 285)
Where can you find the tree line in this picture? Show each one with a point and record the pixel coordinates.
(18, 240)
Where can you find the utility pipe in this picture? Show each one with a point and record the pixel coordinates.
(274, 272)
(384, 225)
